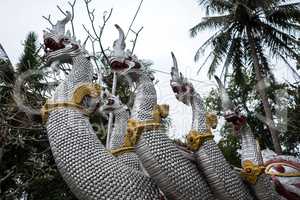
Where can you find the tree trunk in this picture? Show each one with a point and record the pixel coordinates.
(261, 89)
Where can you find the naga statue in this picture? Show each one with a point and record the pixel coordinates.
(251, 157)
(261, 166)
(223, 180)
(142, 163)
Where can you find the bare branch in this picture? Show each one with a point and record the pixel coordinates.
(136, 37)
(63, 12)
(48, 19)
(105, 19)
(72, 19)
(92, 19)
(8, 174)
(137, 11)
(88, 32)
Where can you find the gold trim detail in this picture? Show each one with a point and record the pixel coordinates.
(211, 120)
(195, 139)
(136, 128)
(49, 106)
(92, 89)
(122, 150)
(159, 112)
(251, 171)
(294, 174)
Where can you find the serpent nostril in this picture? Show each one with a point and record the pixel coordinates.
(110, 102)
(176, 89)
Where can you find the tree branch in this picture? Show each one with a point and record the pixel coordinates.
(92, 20)
(137, 11)
(135, 39)
(48, 19)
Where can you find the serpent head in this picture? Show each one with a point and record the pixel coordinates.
(60, 47)
(285, 172)
(111, 103)
(122, 61)
(181, 87)
(231, 113)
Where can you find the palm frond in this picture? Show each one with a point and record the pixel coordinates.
(210, 23)
(220, 49)
(210, 40)
(216, 6)
(265, 4)
(205, 61)
(202, 48)
(266, 70)
(278, 41)
(289, 5)
(238, 65)
(295, 73)
(289, 28)
(232, 51)
(283, 14)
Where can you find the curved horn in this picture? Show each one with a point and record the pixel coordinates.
(226, 102)
(174, 70)
(174, 61)
(60, 25)
(120, 43)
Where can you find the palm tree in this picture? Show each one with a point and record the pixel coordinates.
(246, 31)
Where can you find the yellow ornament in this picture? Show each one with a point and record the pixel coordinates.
(92, 90)
(195, 139)
(251, 171)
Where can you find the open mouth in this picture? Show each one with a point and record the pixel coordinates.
(116, 65)
(51, 45)
(120, 64)
(178, 89)
(110, 102)
(231, 117)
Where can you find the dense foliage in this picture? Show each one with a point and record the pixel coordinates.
(27, 166)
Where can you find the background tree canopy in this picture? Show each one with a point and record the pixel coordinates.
(246, 31)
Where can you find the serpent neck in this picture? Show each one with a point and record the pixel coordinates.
(198, 110)
(250, 150)
(82, 72)
(120, 125)
(145, 99)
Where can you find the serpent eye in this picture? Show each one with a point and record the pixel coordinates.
(283, 169)
(65, 40)
(110, 101)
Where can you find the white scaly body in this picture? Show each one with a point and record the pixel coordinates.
(223, 180)
(250, 151)
(90, 170)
